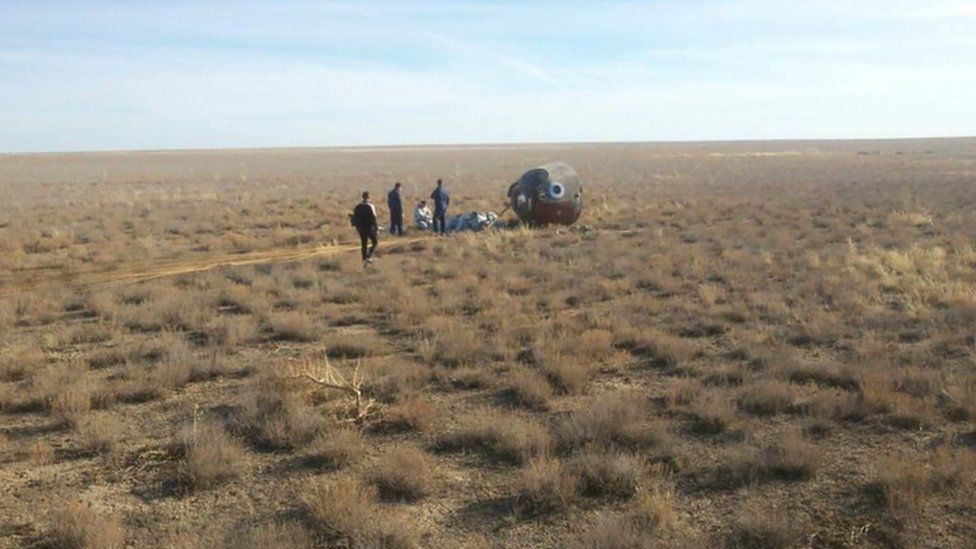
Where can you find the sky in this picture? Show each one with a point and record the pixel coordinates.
(124, 75)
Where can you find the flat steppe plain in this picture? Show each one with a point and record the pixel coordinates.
(755, 344)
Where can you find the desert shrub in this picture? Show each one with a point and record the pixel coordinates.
(640, 526)
(280, 535)
(959, 399)
(569, 374)
(172, 373)
(39, 452)
(388, 379)
(790, 457)
(230, 332)
(99, 433)
(760, 528)
(20, 362)
(291, 326)
(528, 389)
(508, 437)
(274, 414)
(403, 473)
(336, 448)
(713, 414)
(211, 457)
(603, 473)
(547, 485)
(90, 333)
(620, 418)
(768, 397)
(412, 413)
(593, 344)
(825, 377)
(723, 377)
(662, 349)
(346, 509)
(107, 358)
(906, 484)
(81, 526)
(681, 392)
(68, 394)
(341, 345)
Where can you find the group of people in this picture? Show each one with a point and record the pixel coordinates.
(364, 218)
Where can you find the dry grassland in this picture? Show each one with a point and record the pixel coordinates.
(740, 345)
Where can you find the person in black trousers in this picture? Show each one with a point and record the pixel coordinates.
(395, 202)
(364, 219)
(441, 201)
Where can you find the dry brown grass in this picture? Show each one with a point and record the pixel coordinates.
(337, 448)
(620, 418)
(275, 413)
(100, 433)
(603, 473)
(348, 511)
(211, 457)
(507, 437)
(403, 474)
(715, 302)
(78, 525)
(757, 527)
(714, 414)
(283, 535)
(528, 389)
(547, 485)
(412, 413)
(644, 524)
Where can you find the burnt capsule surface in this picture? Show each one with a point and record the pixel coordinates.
(549, 194)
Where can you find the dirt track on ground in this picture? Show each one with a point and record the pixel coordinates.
(39, 279)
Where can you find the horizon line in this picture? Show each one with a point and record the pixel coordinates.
(486, 144)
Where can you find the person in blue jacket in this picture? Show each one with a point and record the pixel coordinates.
(441, 201)
(395, 202)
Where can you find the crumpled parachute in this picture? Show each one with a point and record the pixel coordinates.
(471, 221)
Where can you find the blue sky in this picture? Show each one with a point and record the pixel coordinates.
(85, 75)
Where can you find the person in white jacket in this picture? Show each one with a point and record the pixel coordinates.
(422, 218)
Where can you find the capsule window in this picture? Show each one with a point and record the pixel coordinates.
(556, 190)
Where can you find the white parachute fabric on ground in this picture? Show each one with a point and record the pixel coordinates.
(471, 221)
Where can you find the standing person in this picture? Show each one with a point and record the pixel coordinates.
(395, 202)
(441, 201)
(364, 219)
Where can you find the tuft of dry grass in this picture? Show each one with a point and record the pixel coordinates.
(528, 389)
(280, 535)
(547, 485)
(19, 362)
(761, 527)
(403, 474)
(336, 448)
(291, 326)
(508, 437)
(619, 418)
(78, 525)
(412, 413)
(347, 510)
(211, 457)
(768, 397)
(603, 473)
(644, 524)
(99, 433)
(713, 414)
(275, 414)
(660, 348)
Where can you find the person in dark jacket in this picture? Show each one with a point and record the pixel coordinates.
(395, 202)
(364, 219)
(441, 201)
